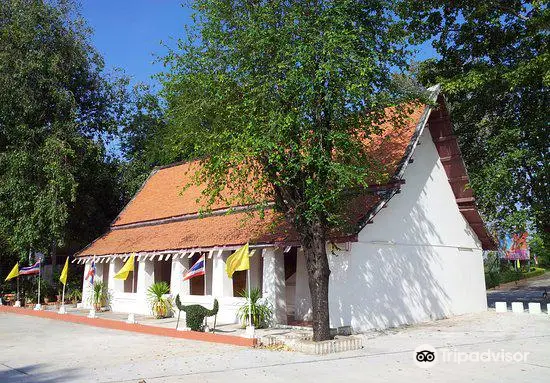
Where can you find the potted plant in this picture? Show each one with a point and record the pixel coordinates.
(75, 296)
(100, 295)
(47, 292)
(261, 312)
(161, 306)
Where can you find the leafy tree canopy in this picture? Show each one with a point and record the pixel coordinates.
(495, 71)
(146, 140)
(281, 95)
(56, 106)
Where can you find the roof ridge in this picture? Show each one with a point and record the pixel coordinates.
(191, 216)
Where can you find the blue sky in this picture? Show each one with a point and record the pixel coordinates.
(129, 33)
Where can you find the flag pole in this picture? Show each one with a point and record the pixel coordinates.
(18, 302)
(249, 299)
(38, 305)
(204, 285)
(63, 298)
(92, 313)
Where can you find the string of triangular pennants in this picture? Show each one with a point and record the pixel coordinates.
(166, 255)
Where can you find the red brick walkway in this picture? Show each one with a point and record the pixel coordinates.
(144, 329)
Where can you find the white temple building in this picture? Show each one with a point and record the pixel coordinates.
(416, 253)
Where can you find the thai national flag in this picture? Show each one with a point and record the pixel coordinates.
(91, 273)
(34, 269)
(195, 270)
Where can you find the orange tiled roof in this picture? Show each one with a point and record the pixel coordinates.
(161, 198)
(223, 230)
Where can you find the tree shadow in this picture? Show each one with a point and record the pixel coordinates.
(35, 373)
(407, 266)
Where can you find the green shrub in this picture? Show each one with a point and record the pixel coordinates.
(493, 279)
(261, 313)
(47, 290)
(536, 271)
(510, 276)
(195, 314)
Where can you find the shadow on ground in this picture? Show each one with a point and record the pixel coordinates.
(35, 373)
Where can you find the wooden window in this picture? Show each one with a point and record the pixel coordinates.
(163, 271)
(239, 282)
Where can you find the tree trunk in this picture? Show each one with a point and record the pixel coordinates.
(314, 246)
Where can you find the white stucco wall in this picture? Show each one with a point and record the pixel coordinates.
(419, 260)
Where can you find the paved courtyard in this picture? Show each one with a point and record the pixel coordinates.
(44, 350)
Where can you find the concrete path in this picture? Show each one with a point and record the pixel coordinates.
(43, 350)
(528, 290)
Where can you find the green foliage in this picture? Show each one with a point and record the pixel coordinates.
(75, 295)
(287, 92)
(145, 139)
(496, 278)
(492, 279)
(47, 290)
(100, 295)
(534, 272)
(280, 96)
(57, 105)
(494, 68)
(160, 305)
(261, 312)
(540, 248)
(195, 314)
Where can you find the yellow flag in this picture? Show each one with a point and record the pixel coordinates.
(13, 273)
(518, 264)
(63, 276)
(128, 266)
(237, 261)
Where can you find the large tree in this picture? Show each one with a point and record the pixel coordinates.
(494, 67)
(281, 95)
(57, 104)
(145, 139)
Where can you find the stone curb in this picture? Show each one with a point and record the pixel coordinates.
(139, 328)
(302, 344)
(518, 308)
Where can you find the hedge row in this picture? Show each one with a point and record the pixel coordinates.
(535, 273)
(493, 279)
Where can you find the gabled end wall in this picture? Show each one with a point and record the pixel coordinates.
(419, 259)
